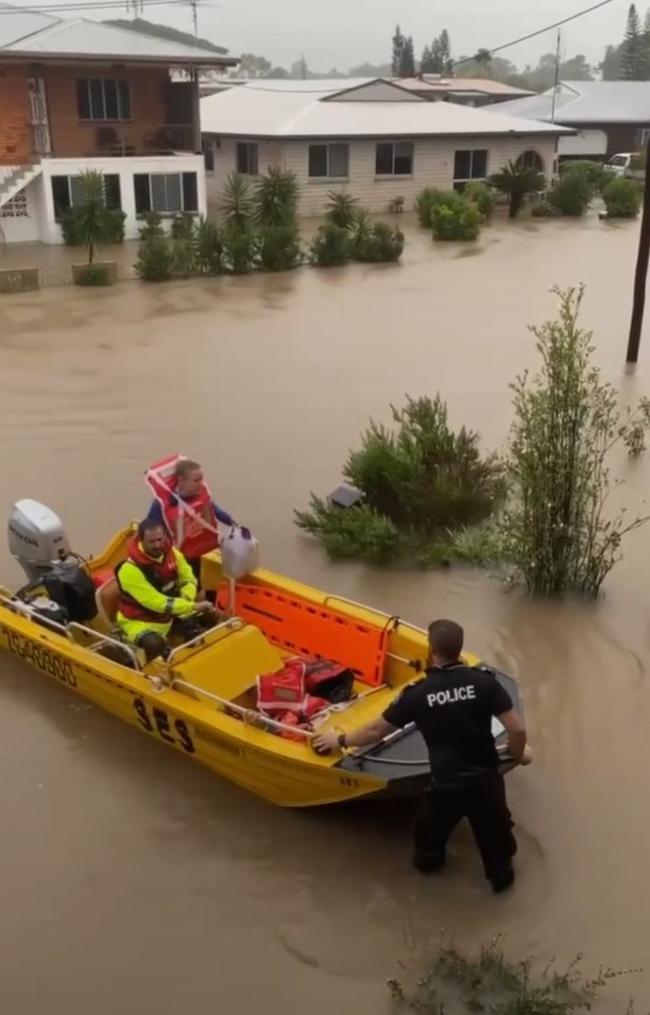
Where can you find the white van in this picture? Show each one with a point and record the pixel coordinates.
(622, 164)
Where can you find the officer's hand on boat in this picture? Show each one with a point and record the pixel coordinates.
(324, 743)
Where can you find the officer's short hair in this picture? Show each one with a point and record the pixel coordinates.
(446, 638)
(148, 525)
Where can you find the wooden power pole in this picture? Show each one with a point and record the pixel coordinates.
(641, 275)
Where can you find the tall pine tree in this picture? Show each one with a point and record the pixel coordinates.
(407, 69)
(399, 43)
(632, 50)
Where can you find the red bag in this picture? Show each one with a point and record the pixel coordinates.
(303, 687)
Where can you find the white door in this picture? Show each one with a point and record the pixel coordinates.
(38, 117)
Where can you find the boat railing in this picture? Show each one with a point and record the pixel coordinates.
(68, 630)
(227, 626)
(248, 715)
(100, 640)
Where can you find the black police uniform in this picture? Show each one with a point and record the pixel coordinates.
(453, 706)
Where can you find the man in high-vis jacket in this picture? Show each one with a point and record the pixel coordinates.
(157, 587)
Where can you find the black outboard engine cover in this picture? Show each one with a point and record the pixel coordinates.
(74, 591)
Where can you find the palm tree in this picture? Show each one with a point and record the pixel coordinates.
(516, 181)
(91, 210)
(237, 201)
(341, 208)
(276, 198)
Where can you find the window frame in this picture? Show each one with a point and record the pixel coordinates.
(88, 96)
(394, 156)
(327, 175)
(114, 179)
(186, 182)
(246, 149)
(460, 182)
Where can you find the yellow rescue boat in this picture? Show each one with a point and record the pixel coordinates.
(202, 700)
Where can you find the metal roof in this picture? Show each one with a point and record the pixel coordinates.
(39, 36)
(484, 86)
(580, 102)
(297, 109)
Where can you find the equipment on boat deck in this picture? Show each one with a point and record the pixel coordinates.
(56, 578)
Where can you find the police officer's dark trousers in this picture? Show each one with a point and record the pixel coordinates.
(482, 800)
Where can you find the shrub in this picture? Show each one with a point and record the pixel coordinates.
(358, 532)
(428, 199)
(183, 227)
(396, 205)
(516, 181)
(279, 248)
(622, 198)
(341, 209)
(276, 199)
(480, 194)
(593, 172)
(112, 227)
(491, 983)
(237, 201)
(330, 247)
(94, 274)
(423, 475)
(571, 195)
(183, 252)
(240, 246)
(381, 244)
(566, 423)
(544, 210)
(155, 259)
(359, 230)
(153, 225)
(457, 221)
(210, 254)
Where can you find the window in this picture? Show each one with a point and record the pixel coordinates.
(66, 193)
(642, 137)
(470, 164)
(329, 161)
(208, 154)
(247, 158)
(530, 159)
(165, 192)
(103, 99)
(394, 159)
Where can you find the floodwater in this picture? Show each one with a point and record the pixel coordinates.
(136, 883)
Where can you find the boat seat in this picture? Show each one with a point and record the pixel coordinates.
(230, 666)
(107, 597)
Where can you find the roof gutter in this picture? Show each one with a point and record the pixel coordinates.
(558, 131)
(32, 56)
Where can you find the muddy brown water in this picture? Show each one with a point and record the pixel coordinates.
(134, 882)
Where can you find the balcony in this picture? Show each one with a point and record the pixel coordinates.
(83, 139)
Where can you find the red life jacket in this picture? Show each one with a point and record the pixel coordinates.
(304, 686)
(162, 574)
(191, 523)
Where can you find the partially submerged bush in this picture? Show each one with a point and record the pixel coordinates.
(571, 195)
(480, 194)
(240, 246)
(358, 532)
(279, 247)
(457, 221)
(622, 198)
(330, 247)
(94, 274)
(516, 181)
(381, 244)
(593, 172)
(559, 537)
(428, 199)
(210, 253)
(155, 259)
(341, 208)
(422, 482)
(492, 983)
(152, 225)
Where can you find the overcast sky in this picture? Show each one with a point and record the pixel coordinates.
(341, 33)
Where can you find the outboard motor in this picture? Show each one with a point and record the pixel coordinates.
(39, 544)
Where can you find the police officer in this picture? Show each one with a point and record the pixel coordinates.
(453, 706)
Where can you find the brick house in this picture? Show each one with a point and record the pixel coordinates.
(77, 95)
